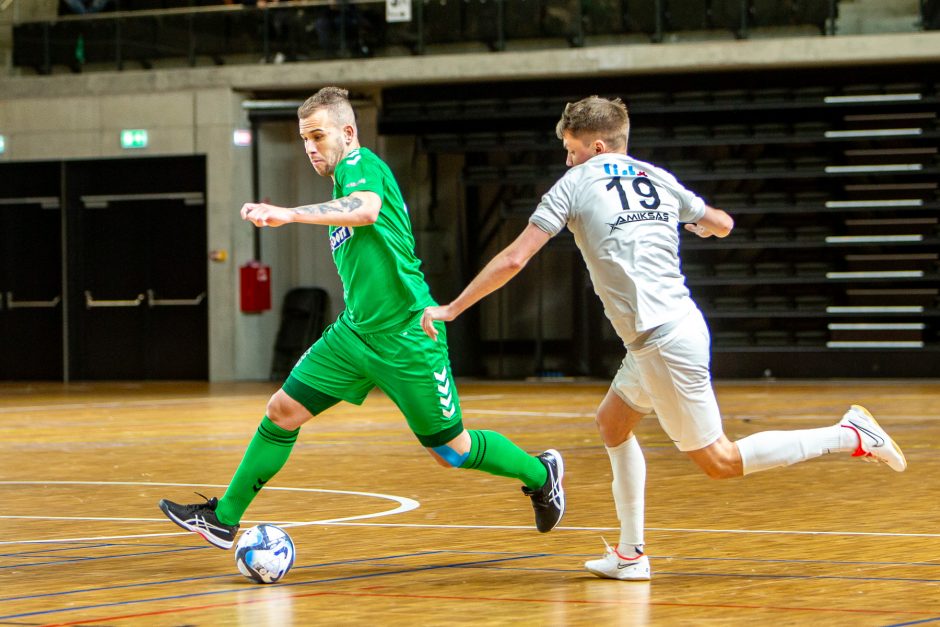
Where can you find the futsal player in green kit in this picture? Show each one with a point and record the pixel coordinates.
(377, 341)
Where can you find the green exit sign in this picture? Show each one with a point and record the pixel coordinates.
(3, 144)
(133, 138)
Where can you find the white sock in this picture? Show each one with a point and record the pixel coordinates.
(770, 449)
(628, 486)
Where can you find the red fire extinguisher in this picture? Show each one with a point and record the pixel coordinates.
(255, 287)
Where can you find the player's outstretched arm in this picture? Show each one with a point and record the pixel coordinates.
(715, 222)
(357, 209)
(503, 267)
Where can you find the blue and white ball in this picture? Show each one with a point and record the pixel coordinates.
(264, 553)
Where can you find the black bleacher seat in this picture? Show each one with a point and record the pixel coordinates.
(727, 14)
(771, 269)
(687, 15)
(442, 109)
(810, 129)
(730, 96)
(647, 133)
(732, 269)
(810, 198)
(771, 337)
(771, 94)
(442, 21)
(730, 200)
(811, 233)
(810, 338)
(605, 17)
(770, 164)
(730, 165)
(694, 269)
(724, 338)
(811, 268)
(523, 138)
(814, 12)
(437, 142)
(931, 14)
(730, 130)
(482, 173)
(693, 98)
(482, 140)
(483, 107)
(905, 88)
(646, 100)
(303, 317)
(771, 199)
(686, 167)
(526, 104)
(862, 89)
(641, 16)
(810, 163)
(769, 130)
(811, 302)
(772, 303)
(523, 19)
(691, 131)
(523, 172)
(731, 303)
(771, 233)
(764, 13)
(403, 110)
(812, 93)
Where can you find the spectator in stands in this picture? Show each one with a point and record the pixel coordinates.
(331, 21)
(625, 216)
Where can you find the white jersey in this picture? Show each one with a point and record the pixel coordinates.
(625, 216)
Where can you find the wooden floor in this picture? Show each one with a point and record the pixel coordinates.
(386, 537)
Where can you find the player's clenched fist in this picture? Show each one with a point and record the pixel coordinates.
(263, 214)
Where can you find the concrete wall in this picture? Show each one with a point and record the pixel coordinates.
(194, 111)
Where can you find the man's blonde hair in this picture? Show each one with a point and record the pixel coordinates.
(333, 99)
(606, 119)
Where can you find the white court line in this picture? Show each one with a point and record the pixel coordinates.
(175, 401)
(512, 412)
(112, 404)
(405, 504)
(339, 523)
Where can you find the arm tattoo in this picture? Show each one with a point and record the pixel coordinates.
(346, 204)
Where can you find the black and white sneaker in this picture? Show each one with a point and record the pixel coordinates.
(549, 500)
(200, 518)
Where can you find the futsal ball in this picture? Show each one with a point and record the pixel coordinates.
(264, 553)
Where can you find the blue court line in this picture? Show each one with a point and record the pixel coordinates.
(101, 557)
(247, 586)
(750, 575)
(208, 577)
(64, 548)
(719, 559)
(935, 619)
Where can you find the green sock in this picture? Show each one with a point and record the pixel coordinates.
(496, 454)
(265, 456)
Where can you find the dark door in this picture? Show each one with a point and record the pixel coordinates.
(138, 268)
(31, 305)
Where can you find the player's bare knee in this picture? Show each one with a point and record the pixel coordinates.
(440, 460)
(285, 412)
(719, 471)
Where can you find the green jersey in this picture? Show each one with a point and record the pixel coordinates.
(382, 281)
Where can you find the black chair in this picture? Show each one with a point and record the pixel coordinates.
(303, 317)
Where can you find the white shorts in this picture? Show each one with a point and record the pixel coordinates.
(668, 373)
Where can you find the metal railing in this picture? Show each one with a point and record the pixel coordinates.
(325, 29)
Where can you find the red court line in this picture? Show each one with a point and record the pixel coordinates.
(196, 608)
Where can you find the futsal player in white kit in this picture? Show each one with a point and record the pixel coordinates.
(625, 216)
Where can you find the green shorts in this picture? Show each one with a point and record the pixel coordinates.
(411, 368)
